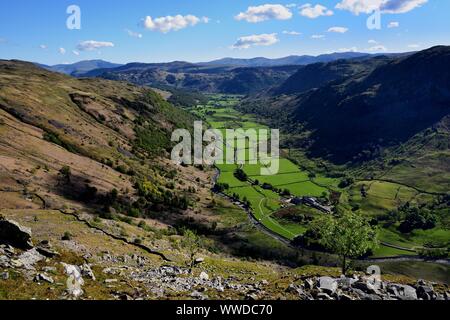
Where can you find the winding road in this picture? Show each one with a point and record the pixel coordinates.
(288, 242)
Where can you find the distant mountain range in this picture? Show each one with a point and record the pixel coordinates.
(81, 67)
(290, 60)
(91, 68)
(196, 77)
(228, 75)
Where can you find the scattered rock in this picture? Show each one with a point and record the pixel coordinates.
(14, 234)
(45, 248)
(110, 281)
(29, 258)
(87, 272)
(42, 277)
(327, 284)
(361, 294)
(346, 282)
(365, 286)
(425, 292)
(323, 296)
(309, 283)
(217, 284)
(7, 249)
(199, 261)
(14, 263)
(264, 282)
(49, 269)
(403, 292)
(344, 297)
(75, 280)
(5, 262)
(199, 296)
(251, 297)
(294, 289)
(125, 297)
(4, 275)
(203, 276)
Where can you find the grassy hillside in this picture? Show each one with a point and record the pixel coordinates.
(106, 136)
(98, 149)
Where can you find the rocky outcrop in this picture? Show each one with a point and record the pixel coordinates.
(14, 234)
(362, 288)
(75, 280)
(45, 248)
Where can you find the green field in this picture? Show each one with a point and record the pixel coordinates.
(378, 198)
(219, 114)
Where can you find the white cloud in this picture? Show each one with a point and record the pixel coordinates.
(291, 5)
(265, 12)
(75, 52)
(292, 33)
(401, 6)
(172, 23)
(62, 51)
(92, 45)
(338, 29)
(377, 48)
(360, 6)
(256, 40)
(43, 46)
(352, 49)
(312, 12)
(134, 34)
(372, 41)
(385, 6)
(414, 46)
(317, 36)
(393, 24)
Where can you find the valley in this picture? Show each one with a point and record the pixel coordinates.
(210, 158)
(268, 197)
(85, 166)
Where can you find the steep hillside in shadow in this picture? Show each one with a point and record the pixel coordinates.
(389, 106)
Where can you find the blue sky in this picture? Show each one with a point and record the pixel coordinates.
(143, 30)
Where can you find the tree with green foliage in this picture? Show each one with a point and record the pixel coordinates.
(221, 187)
(416, 218)
(240, 175)
(346, 182)
(192, 243)
(349, 236)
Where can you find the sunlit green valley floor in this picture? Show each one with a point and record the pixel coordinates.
(381, 196)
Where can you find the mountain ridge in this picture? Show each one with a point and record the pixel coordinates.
(80, 67)
(383, 104)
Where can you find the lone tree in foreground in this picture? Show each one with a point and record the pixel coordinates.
(192, 243)
(349, 236)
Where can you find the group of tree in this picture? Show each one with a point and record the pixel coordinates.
(408, 218)
(417, 218)
(240, 175)
(346, 182)
(221, 187)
